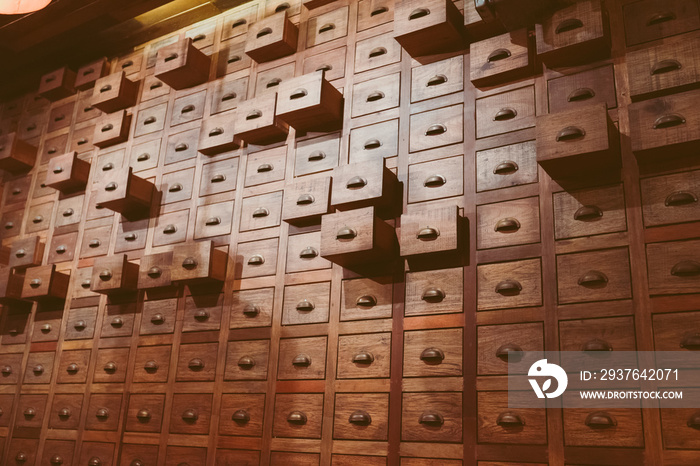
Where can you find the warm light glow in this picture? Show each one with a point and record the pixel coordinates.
(20, 7)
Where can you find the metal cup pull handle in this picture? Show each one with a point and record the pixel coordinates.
(305, 199)
(510, 352)
(661, 17)
(366, 301)
(431, 419)
(150, 120)
(246, 362)
(170, 57)
(46, 328)
(680, 198)
(507, 225)
(506, 168)
(325, 67)
(301, 360)
(686, 268)
(316, 156)
(428, 234)
(117, 322)
(131, 237)
(360, 418)
(213, 221)
(694, 421)
(190, 415)
(436, 80)
(597, 344)
(326, 28)
(86, 283)
(58, 170)
(433, 295)
(263, 32)
(509, 419)
(80, 325)
(668, 121)
(498, 54)
(56, 459)
(505, 114)
(665, 66)
(418, 13)
(375, 96)
(95, 243)
(156, 85)
(216, 132)
(64, 413)
(372, 144)
(509, 288)
(181, 147)
(218, 178)
(691, 342)
(170, 229)
(256, 259)
(195, 364)
(228, 96)
(251, 310)
(107, 127)
(377, 52)
(102, 413)
(154, 272)
(188, 109)
(260, 212)
(436, 130)
(143, 415)
(35, 282)
(588, 213)
(107, 167)
(593, 279)
(110, 367)
(298, 94)
(600, 420)
(305, 305)
(432, 356)
(308, 253)
(434, 181)
(363, 357)
(201, 315)
(255, 114)
(20, 253)
(297, 417)
(106, 88)
(379, 11)
(233, 59)
(568, 25)
(29, 412)
(265, 167)
(189, 263)
(356, 182)
(38, 369)
(105, 275)
(150, 366)
(580, 94)
(570, 133)
(346, 233)
(238, 23)
(111, 186)
(241, 416)
(21, 457)
(175, 188)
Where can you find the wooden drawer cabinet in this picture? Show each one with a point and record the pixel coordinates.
(431, 417)
(594, 276)
(191, 413)
(257, 122)
(607, 334)
(217, 134)
(427, 27)
(503, 58)
(508, 223)
(262, 211)
(213, 220)
(227, 94)
(434, 292)
(203, 312)
(673, 267)
(188, 108)
(366, 356)
(436, 128)
(376, 95)
(30, 411)
(298, 415)
(589, 212)
(67, 173)
(271, 38)
(182, 65)
(152, 364)
(582, 89)
(509, 285)
(498, 423)
(197, 362)
(80, 323)
(158, 316)
(506, 166)
(645, 21)
(103, 452)
(65, 411)
(432, 353)
(671, 199)
(303, 253)
(361, 416)
(22, 451)
(306, 304)
(437, 79)
(501, 113)
(247, 360)
(268, 81)
(302, 358)
(511, 348)
(366, 298)
(242, 414)
(111, 129)
(309, 102)
(16, 155)
(57, 84)
(252, 308)
(375, 141)
(306, 200)
(257, 258)
(73, 367)
(103, 412)
(365, 184)
(87, 75)
(327, 26)
(618, 427)
(111, 365)
(26, 252)
(219, 177)
(39, 368)
(115, 92)
(145, 413)
(114, 275)
(375, 52)
(45, 283)
(58, 452)
(426, 229)
(265, 166)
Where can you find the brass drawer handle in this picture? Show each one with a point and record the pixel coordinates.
(234, 59)
(665, 66)
(372, 144)
(434, 181)
(56, 170)
(324, 68)
(498, 54)
(418, 13)
(260, 212)
(46, 328)
(377, 52)
(110, 367)
(668, 121)
(256, 259)
(316, 156)
(59, 118)
(505, 114)
(95, 461)
(213, 221)
(102, 413)
(379, 11)
(686, 268)
(346, 233)
(117, 322)
(298, 94)
(170, 229)
(20, 253)
(596, 345)
(238, 23)
(588, 213)
(568, 25)
(29, 412)
(251, 310)
(88, 109)
(199, 37)
(105, 275)
(17, 191)
(694, 421)
(326, 28)
(356, 182)
(578, 95)
(506, 168)
(38, 369)
(11, 225)
(201, 315)
(218, 178)
(35, 283)
(61, 249)
(432, 356)
(170, 57)
(366, 301)
(375, 96)
(680, 198)
(188, 109)
(570, 133)
(95, 243)
(428, 234)
(150, 120)
(131, 237)
(156, 85)
(360, 418)
(241, 416)
(51, 150)
(68, 212)
(308, 253)
(509, 352)
(82, 141)
(106, 88)
(80, 325)
(107, 127)
(154, 272)
(150, 366)
(6, 370)
(301, 360)
(56, 459)
(436, 130)
(143, 415)
(263, 32)
(691, 342)
(190, 415)
(661, 17)
(181, 147)
(31, 127)
(363, 357)
(107, 166)
(593, 279)
(21, 457)
(509, 419)
(305, 199)
(64, 413)
(265, 167)
(433, 295)
(189, 263)
(246, 362)
(229, 96)
(86, 284)
(436, 80)
(507, 225)
(50, 79)
(509, 288)
(111, 186)
(175, 188)
(216, 132)
(127, 64)
(600, 420)
(296, 417)
(431, 419)
(255, 114)
(195, 364)
(305, 306)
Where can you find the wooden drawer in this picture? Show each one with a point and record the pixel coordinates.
(252, 308)
(132, 63)
(332, 62)
(11, 370)
(237, 22)
(174, 456)
(57, 84)
(361, 416)
(677, 426)
(431, 417)
(39, 368)
(171, 228)
(374, 142)
(607, 334)
(12, 221)
(434, 180)
(47, 325)
(115, 92)
(45, 283)
(213, 220)
(257, 258)
(87, 74)
(22, 451)
(432, 353)
(152, 364)
(271, 38)
(40, 188)
(118, 320)
(265, 166)
(102, 451)
(509, 348)
(306, 304)
(676, 331)
(65, 411)
(366, 298)
(17, 191)
(310, 102)
(16, 155)
(131, 235)
(85, 110)
(498, 423)
(578, 142)
(81, 323)
(306, 200)
(60, 117)
(645, 21)
(153, 88)
(577, 90)
(15, 328)
(434, 292)
(111, 129)
(203, 312)
(262, 211)
(594, 276)
(191, 413)
(356, 237)
(365, 184)
(509, 285)
(69, 211)
(247, 360)
(30, 411)
(145, 155)
(508, 223)
(327, 27)
(576, 34)
(106, 165)
(589, 212)
(671, 199)
(26, 252)
(126, 193)
(618, 427)
(182, 65)
(227, 94)
(372, 13)
(428, 27)
(674, 267)
(188, 108)
(177, 186)
(73, 367)
(67, 173)
(6, 404)
(147, 454)
(427, 229)
(217, 134)
(81, 140)
(501, 113)
(233, 58)
(182, 146)
(203, 35)
(197, 362)
(375, 52)
(302, 358)
(80, 287)
(506, 166)
(298, 415)
(269, 80)
(303, 253)
(242, 414)
(114, 275)
(219, 177)
(507, 57)
(316, 155)
(437, 79)
(664, 127)
(365, 356)
(436, 128)
(376, 95)
(257, 123)
(154, 270)
(103, 412)
(198, 263)
(58, 452)
(111, 365)
(158, 316)
(55, 146)
(145, 413)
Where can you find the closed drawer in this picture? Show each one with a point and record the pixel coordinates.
(310, 103)
(619, 427)
(376, 95)
(148, 454)
(57, 84)
(81, 284)
(69, 211)
(436, 179)
(39, 367)
(153, 272)
(298, 415)
(332, 62)
(327, 27)
(152, 364)
(60, 117)
(30, 411)
(426, 229)
(306, 304)
(375, 52)
(158, 316)
(262, 211)
(581, 89)
(361, 416)
(374, 141)
(177, 186)
(40, 188)
(317, 155)
(366, 298)
(81, 323)
(219, 177)
(432, 353)
(131, 64)
(434, 292)
(365, 184)
(182, 146)
(306, 200)
(58, 452)
(55, 146)
(671, 199)
(302, 358)
(252, 308)
(65, 411)
(88, 74)
(502, 113)
(265, 166)
(107, 164)
(153, 88)
(38, 219)
(202, 36)
(227, 94)
(111, 129)
(15, 328)
(47, 325)
(236, 23)
(203, 312)
(103, 451)
(115, 92)
(191, 413)
(500, 424)
(247, 360)
(271, 38)
(646, 21)
(103, 412)
(26, 252)
(233, 58)
(213, 220)
(607, 334)
(174, 456)
(12, 368)
(131, 235)
(427, 27)
(436, 128)
(118, 320)
(365, 356)
(242, 415)
(197, 362)
(269, 80)
(371, 13)
(437, 79)
(85, 111)
(111, 365)
(676, 331)
(303, 253)
(73, 367)
(673, 267)
(678, 426)
(22, 451)
(506, 166)
(257, 258)
(6, 404)
(512, 348)
(188, 108)
(81, 140)
(431, 417)
(12, 222)
(508, 223)
(171, 228)
(145, 413)
(589, 212)
(499, 59)
(509, 285)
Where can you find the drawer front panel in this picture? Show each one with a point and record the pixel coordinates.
(589, 212)
(431, 417)
(674, 267)
(364, 356)
(432, 353)
(594, 276)
(508, 223)
(509, 285)
(671, 199)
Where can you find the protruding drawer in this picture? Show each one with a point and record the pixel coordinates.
(327, 26)
(217, 134)
(67, 173)
(511, 348)
(126, 193)
(271, 38)
(508, 223)
(242, 414)
(374, 142)
(432, 353)
(257, 258)
(252, 308)
(39, 368)
(154, 270)
(227, 94)
(111, 365)
(257, 122)
(87, 75)
(103, 412)
(498, 423)
(582, 89)
(428, 27)
(365, 184)
(619, 427)
(306, 200)
(509, 285)
(437, 79)
(375, 52)
(30, 411)
(674, 267)
(203, 312)
(152, 364)
(213, 220)
(436, 128)
(45, 283)
(376, 95)
(302, 358)
(197, 362)
(436, 179)
(182, 65)
(645, 21)
(247, 360)
(26, 252)
(298, 415)
(434, 292)
(219, 177)
(365, 356)
(65, 411)
(427, 229)
(16, 155)
(317, 155)
(191, 413)
(115, 92)
(361, 416)
(263, 211)
(501, 113)
(188, 108)
(81, 323)
(197, 263)
(500, 59)
(671, 198)
(114, 275)
(145, 413)
(366, 298)
(306, 304)
(431, 417)
(589, 212)
(73, 367)
(310, 102)
(303, 253)
(111, 129)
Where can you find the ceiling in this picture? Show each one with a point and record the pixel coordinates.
(74, 32)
